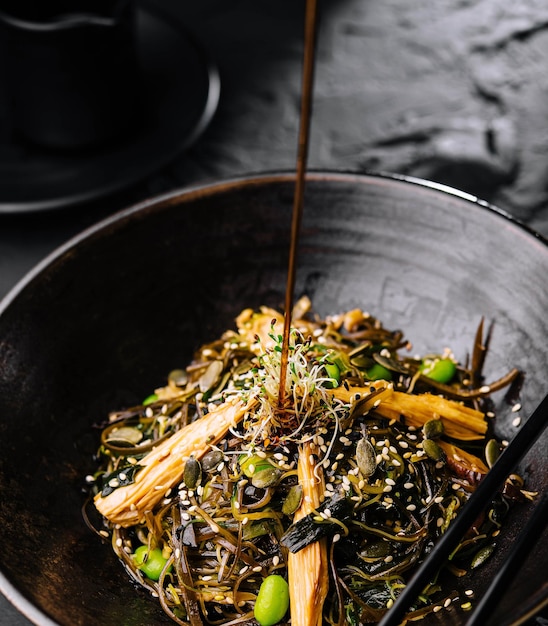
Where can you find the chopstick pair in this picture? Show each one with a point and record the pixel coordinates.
(518, 447)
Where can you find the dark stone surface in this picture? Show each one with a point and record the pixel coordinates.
(450, 90)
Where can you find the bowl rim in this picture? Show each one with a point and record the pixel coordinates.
(204, 189)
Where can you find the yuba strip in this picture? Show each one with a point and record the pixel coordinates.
(459, 421)
(163, 467)
(308, 569)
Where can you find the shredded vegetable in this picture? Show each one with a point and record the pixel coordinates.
(210, 487)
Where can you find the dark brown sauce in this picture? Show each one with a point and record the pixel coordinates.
(298, 199)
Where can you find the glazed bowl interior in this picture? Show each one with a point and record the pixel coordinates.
(103, 320)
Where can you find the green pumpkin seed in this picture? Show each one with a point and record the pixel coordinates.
(390, 364)
(432, 450)
(210, 376)
(492, 452)
(362, 361)
(293, 500)
(124, 436)
(178, 377)
(366, 457)
(211, 460)
(433, 429)
(482, 555)
(192, 474)
(266, 477)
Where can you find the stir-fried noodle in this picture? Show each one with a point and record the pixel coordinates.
(212, 494)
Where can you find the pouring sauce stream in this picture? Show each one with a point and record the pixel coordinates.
(298, 198)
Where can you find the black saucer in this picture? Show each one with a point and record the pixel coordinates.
(181, 85)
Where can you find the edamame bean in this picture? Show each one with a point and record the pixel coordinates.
(440, 370)
(151, 563)
(378, 372)
(334, 373)
(272, 600)
(150, 399)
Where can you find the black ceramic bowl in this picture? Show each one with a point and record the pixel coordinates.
(105, 318)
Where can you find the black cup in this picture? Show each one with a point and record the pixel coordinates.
(72, 72)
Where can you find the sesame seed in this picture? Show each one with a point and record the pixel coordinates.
(389, 559)
(336, 537)
(411, 507)
(438, 499)
(403, 444)
(516, 421)
(437, 608)
(206, 578)
(469, 592)
(447, 602)
(177, 553)
(327, 513)
(214, 527)
(244, 569)
(387, 489)
(439, 522)
(339, 456)
(485, 389)
(390, 481)
(221, 466)
(257, 568)
(245, 521)
(275, 560)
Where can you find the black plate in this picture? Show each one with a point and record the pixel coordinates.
(102, 321)
(181, 85)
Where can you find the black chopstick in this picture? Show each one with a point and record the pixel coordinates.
(520, 444)
(524, 543)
